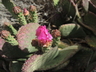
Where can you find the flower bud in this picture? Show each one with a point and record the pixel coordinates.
(56, 33)
(17, 9)
(25, 12)
(34, 42)
(32, 8)
(4, 34)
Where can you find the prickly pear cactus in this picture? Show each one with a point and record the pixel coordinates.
(25, 35)
(1, 43)
(15, 66)
(67, 43)
(49, 60)
(71, 30)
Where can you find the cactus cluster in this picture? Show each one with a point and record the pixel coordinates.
(35, 48)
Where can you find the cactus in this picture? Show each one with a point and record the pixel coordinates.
(62, 45)
(10, 5)
(10, 28)
(90, 20)
(71, 30)
(91, 41)
(55, 2)
(8, 38)
(61, 66)
(92, 7)
(50, 59)
(2, 41)
(69, 8)
(91, 67)
(71, 43)
(15, 66)
(85, 4)
(27, 15)
(25, 35)
(17, 10)
(11, 52)
(33, 13)
(82, 59)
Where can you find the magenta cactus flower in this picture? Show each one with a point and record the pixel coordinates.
(43, 36)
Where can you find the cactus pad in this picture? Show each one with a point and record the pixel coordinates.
(1, 43)
(91, 41)
(50, 59)
(91, 67)
(9, 51)
(92, 7)
(71, 30)
(90, 20)
(85, 4)
(15, 66)
(55, 2)
(25, 35)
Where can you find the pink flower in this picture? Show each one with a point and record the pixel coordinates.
(25, 12)
(43, 36)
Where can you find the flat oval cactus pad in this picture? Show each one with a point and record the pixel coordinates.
(25, 35)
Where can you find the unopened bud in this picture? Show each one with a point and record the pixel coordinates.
(34, 42)
(4, 34)
(6, 24)
(17, 9)
(25, 12)
(32, 8)
(56, 33)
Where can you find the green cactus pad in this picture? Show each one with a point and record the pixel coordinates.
(91, 40)
(9, 5)
(71, 30)
(50, 59)
(15, 66)
(90, 20)
(25, 35)
(69, 8)
(93, 1)
(61, 66)
(92, 7)
(85, 4)
(55, 2)
(2, 41)
(91, 67)
(11, 52)
(81, 60)
(10, 28)
(62, 45)
(27, 63)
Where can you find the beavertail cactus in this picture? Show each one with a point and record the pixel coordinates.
(71, 30)
(50, 59)
(71, 22)
(25, 36)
